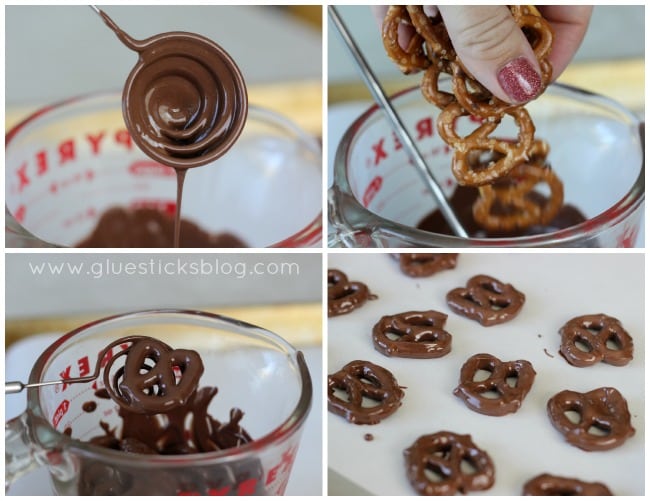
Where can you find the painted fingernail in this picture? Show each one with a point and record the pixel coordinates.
(519, 80)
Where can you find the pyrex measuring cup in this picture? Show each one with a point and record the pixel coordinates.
(254, 369)
(68, 163)
(377, 198)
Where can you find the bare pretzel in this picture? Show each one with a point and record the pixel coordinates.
(538, 152)
(539, 34)
(468, 97)
(512, 153)
(412, 59)
(507, 205)
(523, 10)
(433, 32)
(474, 98)
(430, 84)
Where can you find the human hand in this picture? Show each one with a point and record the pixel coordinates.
(495, 51)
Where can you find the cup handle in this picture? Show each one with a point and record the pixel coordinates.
(23, 454)
(20, 452)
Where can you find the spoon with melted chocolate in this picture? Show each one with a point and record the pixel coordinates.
(185, 101)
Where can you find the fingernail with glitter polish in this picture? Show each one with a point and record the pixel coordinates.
(520, 80)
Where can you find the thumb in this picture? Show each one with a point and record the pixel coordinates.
(494, 50)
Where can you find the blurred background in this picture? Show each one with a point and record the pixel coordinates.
(57, 52)
(610, 60)
(57, 292)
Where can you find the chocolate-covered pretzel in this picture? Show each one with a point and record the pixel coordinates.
(508, 398)
(425, 265)
(344, 296)
(420, 334)
(154, 378)
(604, 420)
(486, 300)
(552, 485)
(359, 379)
(595, 332)
(442, 454)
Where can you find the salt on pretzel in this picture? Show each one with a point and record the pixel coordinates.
(433, 32)
(512, 153)
(430, 88)
(412, 59)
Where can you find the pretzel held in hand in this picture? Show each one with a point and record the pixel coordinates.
(431, 50)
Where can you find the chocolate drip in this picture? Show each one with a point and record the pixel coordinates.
(185, 428)
(166, 433)
(184, 103)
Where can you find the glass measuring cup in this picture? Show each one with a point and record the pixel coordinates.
(68, 163)
(377, 198)
(254, 369)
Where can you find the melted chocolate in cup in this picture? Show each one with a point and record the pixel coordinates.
(185, 101)
(186, 428)
(462, 201)
(150, 228)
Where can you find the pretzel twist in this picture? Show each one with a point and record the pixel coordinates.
(515, 209)
(420, 334)
(486, 300)
(509, 398)
(359, 379)
(412, 59)
(443, 453)
(512, 153)
(603, 408)
(431, 50)
(595, 332)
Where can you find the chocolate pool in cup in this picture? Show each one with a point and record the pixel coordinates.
(377, 198)
(70, 162)
(255, 370)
